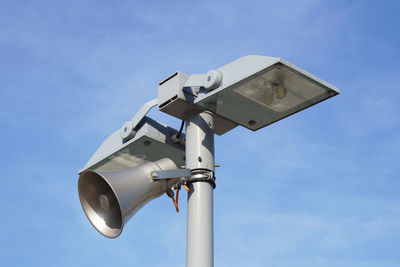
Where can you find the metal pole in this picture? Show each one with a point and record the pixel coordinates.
(200, 160)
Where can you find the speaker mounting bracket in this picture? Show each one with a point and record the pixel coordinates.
(171, 174)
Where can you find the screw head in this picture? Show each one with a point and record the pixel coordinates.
(147, 143)
(252, 122)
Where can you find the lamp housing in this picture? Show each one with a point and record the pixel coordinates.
(252, 91)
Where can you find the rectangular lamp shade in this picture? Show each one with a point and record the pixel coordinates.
(151, 142)
(272, 90)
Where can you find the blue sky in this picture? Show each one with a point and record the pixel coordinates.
(320, 188)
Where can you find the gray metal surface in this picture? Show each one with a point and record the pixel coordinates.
(200, 156)
(109, 199)
(195, 80)
(151, 142)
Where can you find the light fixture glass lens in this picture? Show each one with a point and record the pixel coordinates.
(280, 89)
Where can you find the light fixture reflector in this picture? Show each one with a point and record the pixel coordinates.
(280, 89)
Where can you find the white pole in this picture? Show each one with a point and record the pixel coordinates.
(200, 160)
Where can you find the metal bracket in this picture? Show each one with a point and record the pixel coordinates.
(200, 175)
(143, 111)
(128, 129)
(171, 174)
(210, 81)
(186, 175)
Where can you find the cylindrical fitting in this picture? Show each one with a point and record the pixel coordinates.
(200, 141)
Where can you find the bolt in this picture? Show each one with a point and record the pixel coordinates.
(199, 158)
(147, 143)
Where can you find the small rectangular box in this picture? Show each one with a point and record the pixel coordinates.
(173, 100)
(170, 89)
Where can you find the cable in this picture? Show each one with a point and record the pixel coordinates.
(176, 200)
(180, 130)
(187, 188)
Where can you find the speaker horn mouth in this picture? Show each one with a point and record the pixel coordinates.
(100, 204)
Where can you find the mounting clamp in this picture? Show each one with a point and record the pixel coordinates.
(202, 175)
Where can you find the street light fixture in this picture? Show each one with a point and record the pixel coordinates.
(252, 91)
(145, 159)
